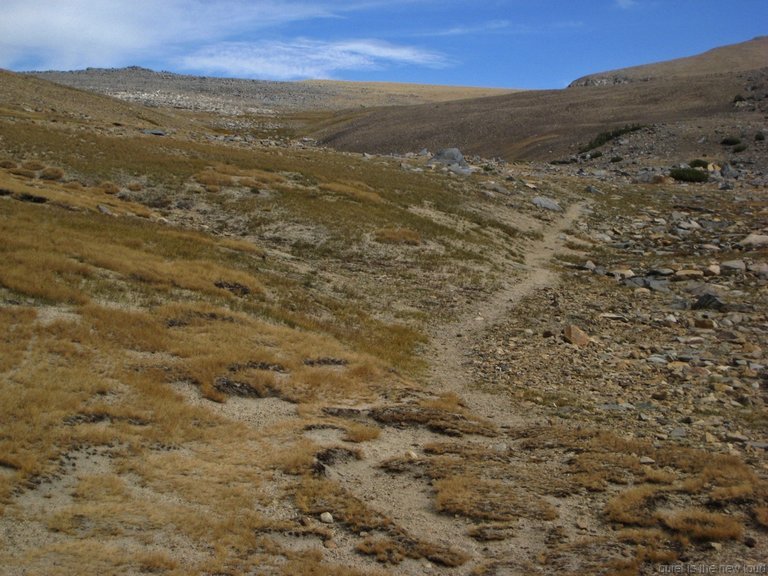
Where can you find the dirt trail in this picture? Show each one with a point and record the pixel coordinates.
(450, 343)
(411, 504)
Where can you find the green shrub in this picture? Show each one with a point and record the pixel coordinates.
(730, 141)
(616, 159)
(605, 137)
(594, 155)
(738, 98)
(740, 148)
(759, 137)
(689, 175)
(698, 163)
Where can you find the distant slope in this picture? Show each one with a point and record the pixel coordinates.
(741, 57)
(232, 95)
(550, 124)
(26, 96)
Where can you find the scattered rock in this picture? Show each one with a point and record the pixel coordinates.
(709, 302)
(575, 335)
(733, 267)
(754, 241)
(547, 203)
(326, 518)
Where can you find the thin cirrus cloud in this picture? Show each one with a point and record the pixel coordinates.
(194, 35)
(304, 58)
(486, 27)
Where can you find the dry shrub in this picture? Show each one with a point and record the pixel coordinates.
(23, 172)
(761, 515)
(295, 459)
(317, 495)
(448, 422)
(635, 507)
(354, 190)
(210, 178)
(398, 236)
(249, 183)
(15, 335)
(311, 566)
(495, 532)
(109, 187)
(361, 433)
(52, 174)
(8, 164)
(124, 329)
(700, 525)
(33, 165)
(739, 492)
(73, 185)
(394, 548)
(156, 563)
(489, 500)
(135, 186)
(47, 276)
(656, 476)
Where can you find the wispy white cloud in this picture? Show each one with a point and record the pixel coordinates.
(67, 34)
(493, 25)
(501, 27)
(304, 58)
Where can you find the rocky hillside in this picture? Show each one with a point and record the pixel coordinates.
(741, 57)
(234, 96)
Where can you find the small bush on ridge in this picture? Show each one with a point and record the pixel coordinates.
(689, 175)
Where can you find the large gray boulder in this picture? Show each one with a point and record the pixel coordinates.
(547, 203)
(449, 157)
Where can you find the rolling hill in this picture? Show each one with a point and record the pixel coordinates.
(550, 124)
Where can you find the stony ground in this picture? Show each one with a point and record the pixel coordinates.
(639, 321)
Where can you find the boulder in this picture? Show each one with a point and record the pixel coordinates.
(547, 203)
(733, 267)
(755, 241)
(575, 335)
(449, 157)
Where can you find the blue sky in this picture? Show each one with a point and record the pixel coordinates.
(500, 43)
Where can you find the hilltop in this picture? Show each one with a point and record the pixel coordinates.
(744, 57)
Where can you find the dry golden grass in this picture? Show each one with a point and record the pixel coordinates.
(211, 178)
(761, 515)
(700, 525)
(96, 372)
(635, 506)
(33, 165)
(361, 433)
(52, 174)
(109, 187)
(489, 500)
(353, 190)
(398, 236)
